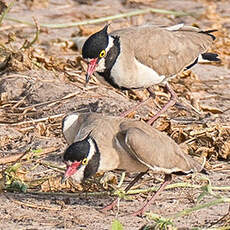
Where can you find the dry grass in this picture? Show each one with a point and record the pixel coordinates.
(22, 120)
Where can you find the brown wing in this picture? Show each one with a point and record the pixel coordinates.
(156, 150)
(166, 51)
(101, 128)
(77, 126)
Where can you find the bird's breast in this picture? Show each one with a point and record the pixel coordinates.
(131, 74)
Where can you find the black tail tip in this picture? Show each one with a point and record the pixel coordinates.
(208, 32)
(210, 57)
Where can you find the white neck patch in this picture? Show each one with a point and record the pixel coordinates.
(101, 65)
(92, 149)
(110, 44)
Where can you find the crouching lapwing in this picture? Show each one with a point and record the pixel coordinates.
(100, 143)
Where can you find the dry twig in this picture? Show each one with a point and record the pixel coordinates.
(20, 156)
(32, 205)
(105, 19)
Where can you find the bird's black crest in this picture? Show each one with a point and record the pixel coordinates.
(77, 151)
(95, 44)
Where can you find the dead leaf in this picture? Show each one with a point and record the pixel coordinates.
(225, 150)
(3, 97)
(139, 95)
(205, 151)
(108, 178)
(164, 125)
(41, 128)
(214, 110)
(54, 184)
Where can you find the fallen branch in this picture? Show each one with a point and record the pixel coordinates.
(37, 120)
(50, 102)
(52, 166)
(133, 192)
(76, 194)
(32, 205)
(198, 207)
(69, 96)
(19, 156)
(177, 185)
(104, 19)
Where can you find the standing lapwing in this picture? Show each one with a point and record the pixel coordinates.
(142, 56)
(100, 143)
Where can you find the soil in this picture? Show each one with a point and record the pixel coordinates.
(40, 84)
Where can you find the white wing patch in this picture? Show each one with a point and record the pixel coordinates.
(148, 75)
(202, 60)
(68, 121)
(110, 44)
(175, 27)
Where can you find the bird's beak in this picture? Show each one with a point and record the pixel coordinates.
(91, 68)
(71, 169)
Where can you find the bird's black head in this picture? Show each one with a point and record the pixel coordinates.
(82, 159)
(77, 151)
(100, 51)
(95, 45)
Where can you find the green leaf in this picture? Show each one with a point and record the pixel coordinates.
(160, 222)
(116, 225)
(13, 168)
(37, 150)
(201, 196)
(17, 186)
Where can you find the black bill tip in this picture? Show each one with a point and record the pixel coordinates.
(87, 77)
(63, 180)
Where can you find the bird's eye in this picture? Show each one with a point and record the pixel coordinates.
(85, 161)
(102, 54)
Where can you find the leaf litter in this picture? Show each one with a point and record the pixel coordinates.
(30, 123)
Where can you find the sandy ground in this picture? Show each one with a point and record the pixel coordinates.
(41, 84)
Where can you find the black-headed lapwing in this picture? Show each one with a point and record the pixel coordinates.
(99, 143)
(142, 56)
